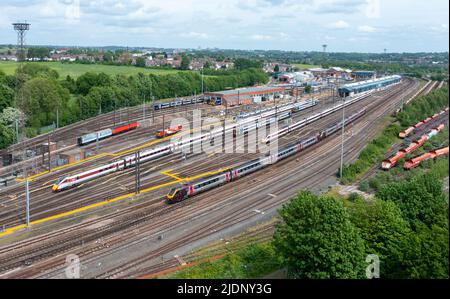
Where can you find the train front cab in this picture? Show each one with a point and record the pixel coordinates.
(176, 195)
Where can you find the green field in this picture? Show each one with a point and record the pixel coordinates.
(305, 66)
(75, 70)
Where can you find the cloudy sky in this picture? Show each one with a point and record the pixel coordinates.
(345, 25)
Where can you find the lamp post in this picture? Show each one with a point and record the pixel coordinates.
(342, 140)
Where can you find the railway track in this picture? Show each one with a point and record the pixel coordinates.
(218, 206)
(45, 203)
(236, 214)
(240, 212)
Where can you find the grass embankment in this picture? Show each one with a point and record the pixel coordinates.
(375, 150)
(253, 261)
(247, 255)
(75, 69)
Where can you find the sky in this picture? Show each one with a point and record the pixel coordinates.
(297, 25)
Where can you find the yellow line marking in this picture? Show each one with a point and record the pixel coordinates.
(108, 201)
(42, 188)
(48, 182)
(172, 175)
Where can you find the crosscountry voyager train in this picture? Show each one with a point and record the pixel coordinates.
(190, 189)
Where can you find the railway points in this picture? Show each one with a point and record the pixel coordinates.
(175, 170)
(91, 186)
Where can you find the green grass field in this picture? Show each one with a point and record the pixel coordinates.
(75, 70)
(305, 66)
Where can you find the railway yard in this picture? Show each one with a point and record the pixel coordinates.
(119, 233)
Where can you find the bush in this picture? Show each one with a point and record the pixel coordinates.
(364, 186)
(353, 197)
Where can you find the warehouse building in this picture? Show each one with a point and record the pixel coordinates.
(363, 86)
(244, 96)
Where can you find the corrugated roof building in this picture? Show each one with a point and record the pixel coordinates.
(245, 96)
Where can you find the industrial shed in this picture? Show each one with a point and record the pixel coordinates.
(354, 88)
(245, 96)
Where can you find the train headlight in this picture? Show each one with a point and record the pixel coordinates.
(55, 188)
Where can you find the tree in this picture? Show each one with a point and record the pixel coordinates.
(6, 136)
(207, 65)
(185, 62)
(70, 84)
(384, 231)
(38, 52)
(307, 88)
(276, 69)
(140, 62)
(108, 57)
(41, 98)
(316, 239)
(6, 96)
(420, 199)
(426, 253)
(34, 70)
(88, 80)
(243, 63)
(10, 115)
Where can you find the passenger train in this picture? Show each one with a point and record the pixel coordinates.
(241, 127)
(177, 103)
(185, 191)
(237, 128)
(102, 134)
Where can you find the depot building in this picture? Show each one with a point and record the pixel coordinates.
(245, 96)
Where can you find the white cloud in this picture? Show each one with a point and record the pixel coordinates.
(366, 28)
(267, 24)
(193, 34)
(339, 25)
(260, 37)
(373, 9)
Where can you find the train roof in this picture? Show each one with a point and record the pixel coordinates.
(368, 83)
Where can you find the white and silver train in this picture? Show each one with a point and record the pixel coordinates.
(314, 117)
